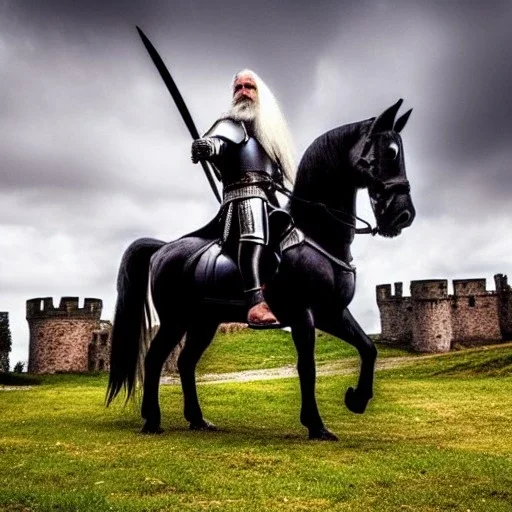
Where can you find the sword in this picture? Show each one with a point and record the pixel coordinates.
(178, 100)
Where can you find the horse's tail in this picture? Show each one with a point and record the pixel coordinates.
(131, 318)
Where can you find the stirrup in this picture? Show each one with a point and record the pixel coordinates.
(275, 325)
(271, 320)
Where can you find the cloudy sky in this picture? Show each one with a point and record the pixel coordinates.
(93, 153)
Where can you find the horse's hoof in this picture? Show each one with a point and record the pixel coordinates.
(322, 434)
(204, 425)
(355, 401)
(151, 429)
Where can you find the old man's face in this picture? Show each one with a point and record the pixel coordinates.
(244, 90)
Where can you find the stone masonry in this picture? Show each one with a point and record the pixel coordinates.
(73, 339)
(433, 321)
(64, 339)
(99, 348)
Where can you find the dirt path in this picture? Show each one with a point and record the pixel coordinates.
(344, 367)
(15, 388)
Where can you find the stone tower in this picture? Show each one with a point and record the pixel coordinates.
(60, 337)
(395, 314)
(432, 326)
(504, 293)
(435, 321)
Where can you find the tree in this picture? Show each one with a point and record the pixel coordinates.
(19, 367)
(5, 342)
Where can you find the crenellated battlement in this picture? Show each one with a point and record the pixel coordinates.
(501, 282)
(429, 289)
(431, 320)
(468, 287)
(43, 308)
(384, 292)
(60, 337)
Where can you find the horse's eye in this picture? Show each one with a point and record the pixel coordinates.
(391, 151)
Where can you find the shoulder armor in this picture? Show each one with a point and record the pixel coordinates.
(228, 129)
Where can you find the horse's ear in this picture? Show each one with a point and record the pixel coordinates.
(402, 121)
(387, 119)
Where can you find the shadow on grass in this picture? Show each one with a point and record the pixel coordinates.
(476, 362)
(247, 433)
(492, 367)
(19, 379)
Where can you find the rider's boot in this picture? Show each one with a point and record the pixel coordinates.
(259, 315)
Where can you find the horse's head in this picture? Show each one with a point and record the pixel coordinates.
(378, 158)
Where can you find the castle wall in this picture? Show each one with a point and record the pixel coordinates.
(395, 314)
(432, 326)
(471, 315)
(60, 337)
(475, 318)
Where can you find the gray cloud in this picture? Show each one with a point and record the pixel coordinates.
(476, 97)
(93, 153)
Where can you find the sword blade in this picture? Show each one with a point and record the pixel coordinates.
(178, 100)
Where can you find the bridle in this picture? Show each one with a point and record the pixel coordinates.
(378, 187)
(332, 212)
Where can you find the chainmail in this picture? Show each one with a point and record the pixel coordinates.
(294, 237)
(243, 193)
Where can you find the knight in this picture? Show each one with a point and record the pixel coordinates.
(250, 149)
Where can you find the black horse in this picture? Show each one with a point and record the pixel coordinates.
(195, 285)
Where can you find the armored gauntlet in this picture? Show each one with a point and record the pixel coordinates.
(203, 149)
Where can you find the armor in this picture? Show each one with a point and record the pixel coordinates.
(229, 130)
(235, 153)
(248, 175)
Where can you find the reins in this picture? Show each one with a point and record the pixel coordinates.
(332, 212)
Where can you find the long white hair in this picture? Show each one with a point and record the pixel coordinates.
(269, 125)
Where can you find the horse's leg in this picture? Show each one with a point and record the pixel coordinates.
(199, 336)
(303, 333)
(347, 328)
(164, 342)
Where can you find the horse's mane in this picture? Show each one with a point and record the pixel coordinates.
(327, 153)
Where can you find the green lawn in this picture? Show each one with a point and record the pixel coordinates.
(436, 437)
(250, 349)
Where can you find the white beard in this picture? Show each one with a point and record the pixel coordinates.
(245, 110)
(267, 125)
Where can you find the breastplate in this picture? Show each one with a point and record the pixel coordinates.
(241, 158)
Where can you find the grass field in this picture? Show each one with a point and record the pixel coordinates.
(437, 436)
(248, 349)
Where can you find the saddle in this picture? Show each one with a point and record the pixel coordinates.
(214, 268)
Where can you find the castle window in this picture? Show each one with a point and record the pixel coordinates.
(471, 302)
(104, 339)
